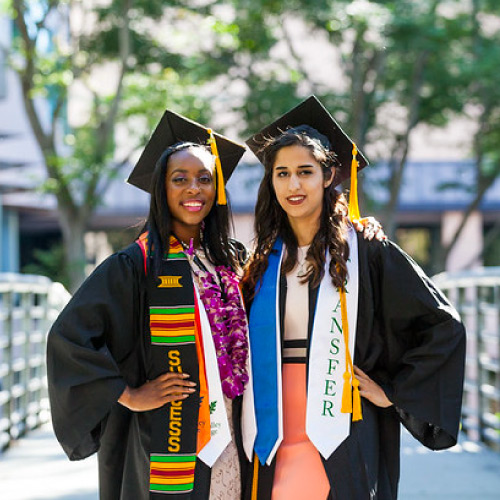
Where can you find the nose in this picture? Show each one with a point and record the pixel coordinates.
(294, 183)
(194, 186)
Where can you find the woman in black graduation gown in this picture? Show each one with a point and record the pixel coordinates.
(348, 337)
(146, 329)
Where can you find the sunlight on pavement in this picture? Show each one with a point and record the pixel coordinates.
(36, 468)
(467, 471)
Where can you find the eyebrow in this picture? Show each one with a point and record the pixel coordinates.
(283, 167)
(185, 171)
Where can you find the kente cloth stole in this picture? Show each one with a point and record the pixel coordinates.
(180, 342)
(174, 426)
(326, 425)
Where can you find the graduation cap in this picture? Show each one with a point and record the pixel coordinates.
(311, 112)
(173, 129)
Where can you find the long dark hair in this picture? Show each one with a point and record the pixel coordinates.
(215, 229)
(271, 220)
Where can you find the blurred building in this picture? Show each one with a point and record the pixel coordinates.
(428, 213)
(430, 207)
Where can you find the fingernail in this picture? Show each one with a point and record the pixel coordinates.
(192, 383)
(185, 375)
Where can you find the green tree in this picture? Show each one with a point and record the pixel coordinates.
(480, 62)
(61, 52)
(390, 67)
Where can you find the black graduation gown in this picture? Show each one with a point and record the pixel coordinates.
(411, 341)
(99, 344)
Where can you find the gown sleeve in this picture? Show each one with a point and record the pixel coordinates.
(85, 346)
(425, 342)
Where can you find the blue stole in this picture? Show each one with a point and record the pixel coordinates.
(263, 325)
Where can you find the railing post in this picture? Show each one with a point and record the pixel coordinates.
(6, 369)
(26, 313)
(477, 298)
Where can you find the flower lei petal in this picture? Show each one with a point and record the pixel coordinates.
(228, 323)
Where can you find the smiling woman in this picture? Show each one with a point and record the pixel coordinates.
(142, 366)
(298, 182)
(348, 337)
(190, 190)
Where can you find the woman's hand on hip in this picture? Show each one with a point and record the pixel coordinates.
(370, 390)
(155, 393)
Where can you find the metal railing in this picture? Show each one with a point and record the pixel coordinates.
(476, 295)
(28, 306)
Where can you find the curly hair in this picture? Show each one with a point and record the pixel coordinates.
(215, 239)
(272, 222)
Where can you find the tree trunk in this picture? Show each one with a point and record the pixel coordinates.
(73, 228)
(483, 182)
(397, 164)
(400, 155)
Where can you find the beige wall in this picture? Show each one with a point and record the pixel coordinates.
(467, 251)
(243, 228)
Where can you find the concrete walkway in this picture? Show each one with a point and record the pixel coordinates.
(465, 472)
(35, 468)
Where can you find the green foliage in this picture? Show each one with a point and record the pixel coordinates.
(430, 59)
(269, 98)
(50, 263)
(144, 42)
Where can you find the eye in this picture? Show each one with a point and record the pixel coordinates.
(282, 173)
(205, 179)
(179, 179)
(306, 172)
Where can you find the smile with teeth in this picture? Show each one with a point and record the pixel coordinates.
(296, 199)
(193, 205)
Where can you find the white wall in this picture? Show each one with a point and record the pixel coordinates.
(243, 228)
(466, 252)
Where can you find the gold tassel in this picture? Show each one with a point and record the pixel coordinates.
(221, 190)
(353, 215)
(346, 394)
(353, 195)
(356, 411)
(350, 390)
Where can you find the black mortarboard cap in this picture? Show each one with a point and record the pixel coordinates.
(172, 129)
(311, 112)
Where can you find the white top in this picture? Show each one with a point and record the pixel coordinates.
(296, 307)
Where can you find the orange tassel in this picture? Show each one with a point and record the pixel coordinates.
(356, 411)
(353, 195)
(350, 381)
(221, 190)
(346, 394)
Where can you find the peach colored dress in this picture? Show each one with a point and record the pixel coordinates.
(299, 469)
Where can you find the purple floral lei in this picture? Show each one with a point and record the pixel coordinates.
(229, 327)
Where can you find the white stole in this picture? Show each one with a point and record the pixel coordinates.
(220, 434)
(326, 426)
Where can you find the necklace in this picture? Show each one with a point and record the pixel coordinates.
(302, 262)
(228, 322)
